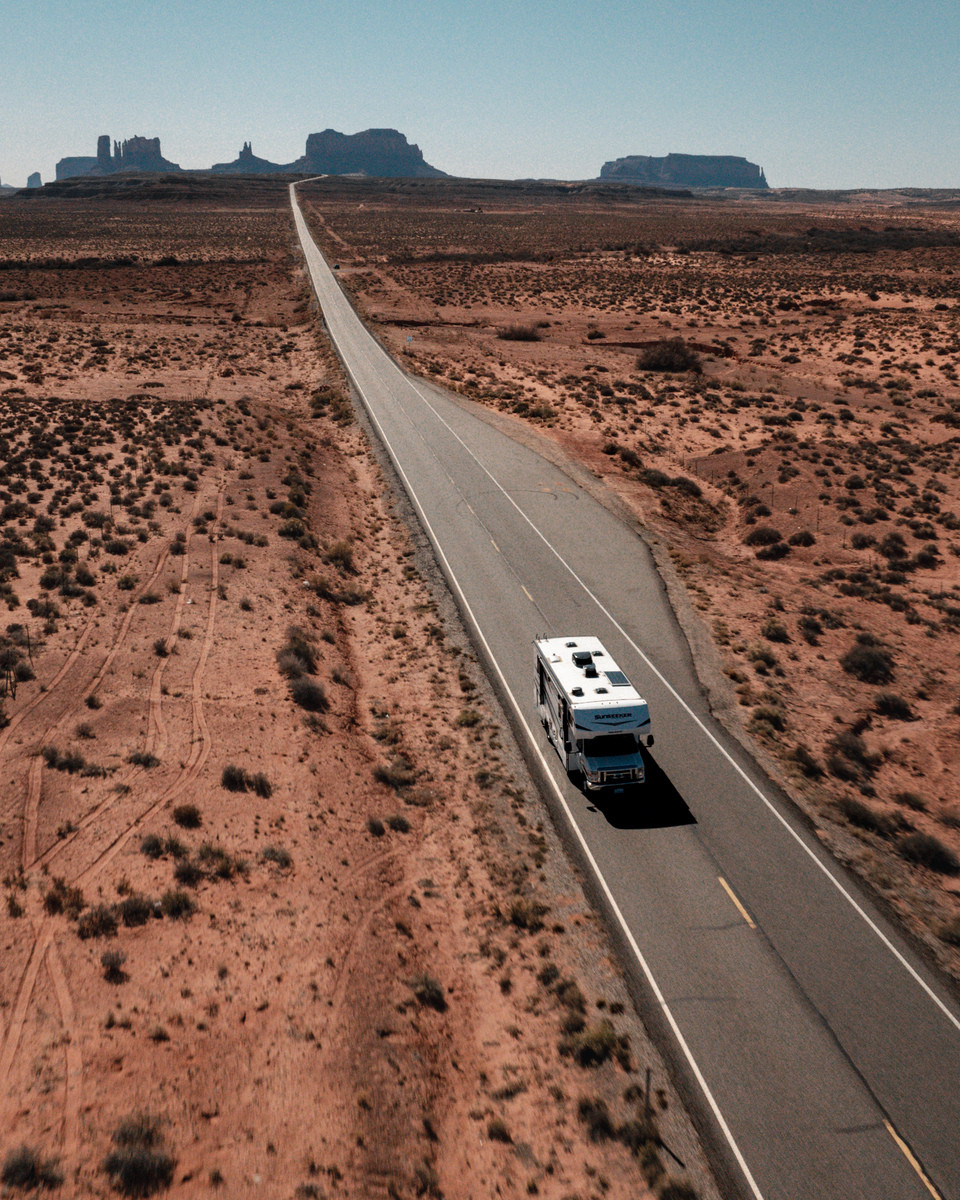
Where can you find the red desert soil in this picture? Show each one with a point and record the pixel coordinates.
(282, 915)
(770, 386)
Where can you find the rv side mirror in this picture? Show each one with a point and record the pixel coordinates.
(650, 739)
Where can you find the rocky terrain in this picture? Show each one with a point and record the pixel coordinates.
(771, 386)
(281, 912)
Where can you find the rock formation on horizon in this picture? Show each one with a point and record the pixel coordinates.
(133, 154)
(378, 153)
(34, 180)
(685, 170)
(247, 163)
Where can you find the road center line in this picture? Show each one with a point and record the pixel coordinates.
(736, 900)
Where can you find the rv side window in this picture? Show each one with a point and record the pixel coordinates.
(539, 681)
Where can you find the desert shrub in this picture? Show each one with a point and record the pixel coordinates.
(670, 354)
(398, 823)
(260, 785)
(61, 897)
(594, 1113)
(849, 758)
(802, 537)
(806, 762)
(24, 1168)
(173, 846)
(135, 910)
(376, 827)
(112, 962)
(187, 873)
(868, 661)
(767, 717)
(862, 541)
(772, 553)
(497, 1130)
(139, 1166)
(675, 1189)
(309, 695)
(340, 554)
(861, 815)
(233, 778)
(654, 478)
(278, 855)
(527, 914)
(429, 992)
(774, 630)
(687, 486)
(468, 718)
(519, 333)
(177, 904)
(949, 931)
(297, 655)
(396, 774)
(889, 704)
(152, 846)
(911, 800)
(927, 850)
(763, 535)
(100, 921)
(187, 816)
(141, 758)
(595, 1044)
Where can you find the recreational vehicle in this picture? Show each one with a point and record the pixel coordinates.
(593, 715)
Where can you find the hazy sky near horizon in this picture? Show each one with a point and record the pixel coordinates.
(850, 93)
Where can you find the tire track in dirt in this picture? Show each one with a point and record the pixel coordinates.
(156, 730)
(200, 737)
(73, 1083)
(30, 858)
(51, 687)
(44, 947)
(31, 812)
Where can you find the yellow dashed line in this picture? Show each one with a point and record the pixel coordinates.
(494, 545)
(908, 1155)
(527, 594)
(740, 909)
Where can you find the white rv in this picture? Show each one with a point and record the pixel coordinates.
(592, 713)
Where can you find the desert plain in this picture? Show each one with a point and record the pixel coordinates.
(283, 914)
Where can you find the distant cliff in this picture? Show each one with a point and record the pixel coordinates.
(133, 154)
(685, 170)
(379, 153)
(376, 153)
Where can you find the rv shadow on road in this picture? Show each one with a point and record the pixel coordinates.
(656, 805)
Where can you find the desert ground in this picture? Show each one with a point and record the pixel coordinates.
(769, 382)
(282, 914)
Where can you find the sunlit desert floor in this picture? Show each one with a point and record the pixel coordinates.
(282, 915)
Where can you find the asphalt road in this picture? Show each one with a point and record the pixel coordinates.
(823, 1056)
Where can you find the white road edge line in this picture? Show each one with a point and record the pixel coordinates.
(648, 974)
(955, 1021)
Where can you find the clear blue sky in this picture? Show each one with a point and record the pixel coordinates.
(847, 93)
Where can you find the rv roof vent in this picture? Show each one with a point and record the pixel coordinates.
(577, 691)
(597, 653)
(600, 690)
(590, 671)
(582, 658)
(570, 645)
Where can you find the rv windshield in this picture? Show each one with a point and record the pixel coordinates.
(617, 745)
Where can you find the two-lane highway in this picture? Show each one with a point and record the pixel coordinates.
(826, 1057)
